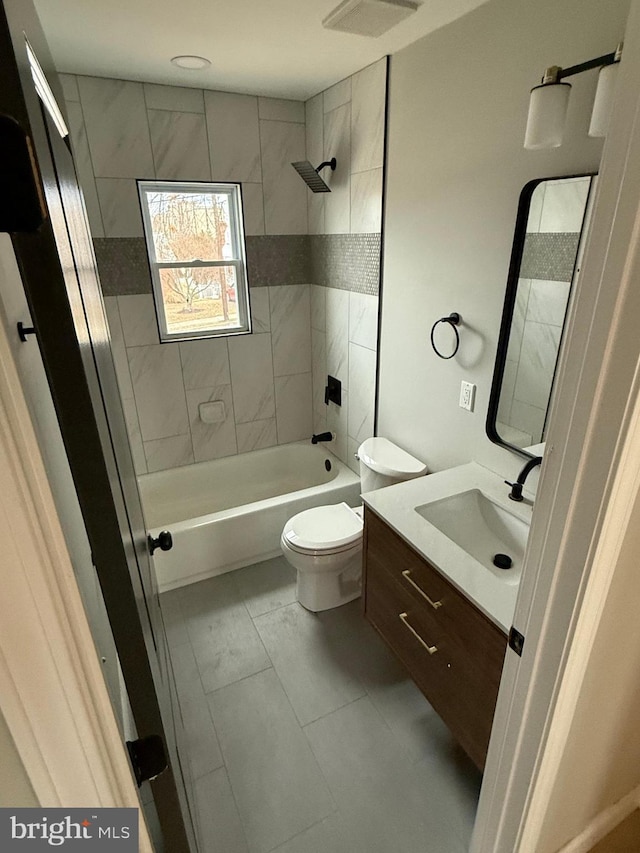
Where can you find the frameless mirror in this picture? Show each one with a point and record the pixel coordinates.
(552, 217)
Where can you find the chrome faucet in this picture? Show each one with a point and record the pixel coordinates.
(516, 488)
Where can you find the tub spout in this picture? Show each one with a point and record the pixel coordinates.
(321, 436)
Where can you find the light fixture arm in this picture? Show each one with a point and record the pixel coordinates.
(598, 62)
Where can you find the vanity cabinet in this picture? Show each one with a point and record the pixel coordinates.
(452, 651)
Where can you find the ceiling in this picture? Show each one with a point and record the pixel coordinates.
(266, 47)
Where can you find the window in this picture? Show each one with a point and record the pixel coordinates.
(195, 242)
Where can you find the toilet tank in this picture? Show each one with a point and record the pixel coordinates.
(383, 463)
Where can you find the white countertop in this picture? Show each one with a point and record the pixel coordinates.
(494, 595)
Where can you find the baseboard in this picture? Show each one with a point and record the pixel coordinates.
(229, 567)
(603, 824)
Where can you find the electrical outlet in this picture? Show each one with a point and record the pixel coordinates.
(467, 395)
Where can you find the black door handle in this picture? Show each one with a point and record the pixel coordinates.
(164, 541)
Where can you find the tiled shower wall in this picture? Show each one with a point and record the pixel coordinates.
(124, 130)
(347, 122)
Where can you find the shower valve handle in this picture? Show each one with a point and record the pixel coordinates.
(164, 541)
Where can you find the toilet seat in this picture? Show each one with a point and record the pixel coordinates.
(324, 529)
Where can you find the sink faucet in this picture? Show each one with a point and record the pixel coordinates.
(516, 488)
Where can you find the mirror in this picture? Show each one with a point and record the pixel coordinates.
(552, 217)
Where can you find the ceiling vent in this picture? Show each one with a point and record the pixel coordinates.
(369, 17)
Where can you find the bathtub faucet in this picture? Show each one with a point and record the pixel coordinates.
(321, 436)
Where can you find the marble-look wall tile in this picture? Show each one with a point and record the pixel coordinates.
(159, 391)
(69, 85)
(212, 441)
(337, 143)
(366, 202)
(252, 377)
(84, 167)
(367, 117)
(314, 127)
(363, 320)
(253, 209)
(118, 349)
(315, 212)
(293, 407)
(256, 434)
(234, 138)
(260, 313)
(135, 436)
(337, 417)
(290, 329)
(285, 193)
(338, 334)
(529, 419)
(165, 453)
(178, 98)
(280, 109)
(138, 317)
(506, 390)
(536, 367)
(517, 322)
(548, 302)
(337, 95)
(362, 391)
(180, 147)
(120, 207)
(319, 373)
(318, 308)
(564, 204)
(352, 452)
(205, 364)
(117, 130)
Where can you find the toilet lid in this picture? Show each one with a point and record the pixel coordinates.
(323, 528)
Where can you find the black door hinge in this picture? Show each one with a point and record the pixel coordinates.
(516, 641)
(148, 757)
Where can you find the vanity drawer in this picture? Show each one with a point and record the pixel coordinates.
(454, 613)
(461, 677)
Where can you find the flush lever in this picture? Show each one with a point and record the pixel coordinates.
(164, 541)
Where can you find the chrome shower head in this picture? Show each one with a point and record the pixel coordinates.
(310, 175)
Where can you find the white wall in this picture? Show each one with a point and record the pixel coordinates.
(456, 166)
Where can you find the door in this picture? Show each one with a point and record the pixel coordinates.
(59, 276)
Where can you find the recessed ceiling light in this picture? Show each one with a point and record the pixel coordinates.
(191, 63)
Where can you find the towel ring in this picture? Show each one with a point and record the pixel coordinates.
(453, 320)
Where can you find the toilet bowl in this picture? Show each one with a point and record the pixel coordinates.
(324, 544)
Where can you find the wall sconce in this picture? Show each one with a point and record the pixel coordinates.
(550, 100)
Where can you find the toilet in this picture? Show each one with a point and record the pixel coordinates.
(324, 544)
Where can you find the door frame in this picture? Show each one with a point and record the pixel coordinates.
(587, 463)
(53, 694)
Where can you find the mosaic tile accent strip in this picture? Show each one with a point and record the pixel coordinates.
(549, 257)
(122, 265)
(277, 260)
(346, 261)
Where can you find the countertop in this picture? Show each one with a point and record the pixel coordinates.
(494, 595)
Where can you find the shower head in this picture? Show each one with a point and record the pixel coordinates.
(310, 175)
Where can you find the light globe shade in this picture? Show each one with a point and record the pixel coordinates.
(603, 102)
(547, 115)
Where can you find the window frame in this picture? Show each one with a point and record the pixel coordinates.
(233, 189)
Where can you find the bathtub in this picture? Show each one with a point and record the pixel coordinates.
(230, 512)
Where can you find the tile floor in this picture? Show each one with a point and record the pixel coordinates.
(303, 732)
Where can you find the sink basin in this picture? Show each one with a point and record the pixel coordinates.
(481, 527)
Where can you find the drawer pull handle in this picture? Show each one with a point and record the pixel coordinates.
(407, 576)
(431, 649)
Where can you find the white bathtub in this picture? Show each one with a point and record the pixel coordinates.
(230, 512)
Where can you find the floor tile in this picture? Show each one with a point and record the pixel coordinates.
(225, 642)
(266, 586)
(276, 780)
(219, 826)
(309, 656)
(200, 741)
(174, 624)
(381, 795)
(328, 836)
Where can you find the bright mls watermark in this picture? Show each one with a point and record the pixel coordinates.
(29, 830)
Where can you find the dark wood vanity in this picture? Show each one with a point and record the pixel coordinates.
(453, 652)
